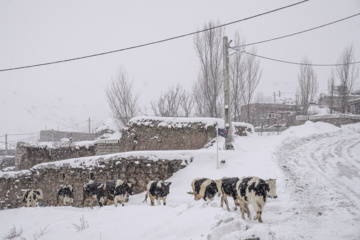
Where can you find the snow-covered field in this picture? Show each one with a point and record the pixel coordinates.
(318, 186)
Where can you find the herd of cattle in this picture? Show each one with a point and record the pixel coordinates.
(244, 191)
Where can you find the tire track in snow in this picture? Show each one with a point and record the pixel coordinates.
(321, 175)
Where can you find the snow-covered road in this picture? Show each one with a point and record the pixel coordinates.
(322, 183)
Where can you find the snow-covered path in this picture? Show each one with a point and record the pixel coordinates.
(318, 187)
(322, 183)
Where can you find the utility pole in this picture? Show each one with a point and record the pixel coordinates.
(227, 101)
(6, 145)
(89, 125)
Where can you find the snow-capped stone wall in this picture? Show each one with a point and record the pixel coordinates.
(28, 155)
(137, 168)
(159, 133)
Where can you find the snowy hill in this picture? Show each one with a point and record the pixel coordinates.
(318, 186)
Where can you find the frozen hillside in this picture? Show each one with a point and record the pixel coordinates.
(318, 186)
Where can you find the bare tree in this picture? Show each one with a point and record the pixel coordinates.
(123, 103)
(187, 104)
(347, 74)
(170, 104)
(252, 77)
(308, 84)
(208, 89)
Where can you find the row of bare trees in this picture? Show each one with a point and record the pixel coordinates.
(340, 83)
(206, 97)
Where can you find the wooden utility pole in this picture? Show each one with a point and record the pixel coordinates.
(89, 125)
(227, 101)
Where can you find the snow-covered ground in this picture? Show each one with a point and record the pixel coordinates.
(318, 186)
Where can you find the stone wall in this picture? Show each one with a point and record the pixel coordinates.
(335, 119)
(141, 134)
(135, 169)
(151, 133)
(27, 156)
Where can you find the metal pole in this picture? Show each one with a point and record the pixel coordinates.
(89, 125)
(227, 102)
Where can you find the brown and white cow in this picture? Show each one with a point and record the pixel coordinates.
(122, 191)
(255, 191)
(205, 188)
(65, 195)
(157, 190)
(94, 191)
(31, 197)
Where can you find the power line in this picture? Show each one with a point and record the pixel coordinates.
(297, 33)
(304, 64)
(155, 42)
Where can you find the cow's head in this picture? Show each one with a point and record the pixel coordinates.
(129, 188)
(165, 187)
(272, 186)
(39, 193)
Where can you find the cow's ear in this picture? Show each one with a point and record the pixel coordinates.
(169, 183)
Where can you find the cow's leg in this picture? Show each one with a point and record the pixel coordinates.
(123, 199)
(242, 207)
(227, 203)
(158, 200)
(164, 201)
(152, 199)
(115, 200)
(247, 210)
(258, 209)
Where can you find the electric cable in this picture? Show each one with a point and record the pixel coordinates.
(155, 42)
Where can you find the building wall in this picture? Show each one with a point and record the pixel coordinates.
(56, 136)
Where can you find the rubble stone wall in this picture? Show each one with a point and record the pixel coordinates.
(49, 177)
(27, 156)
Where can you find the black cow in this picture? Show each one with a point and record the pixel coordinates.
(122, 191)
(94, 191)
(157, 190)
(31, 196)
(205, 188)
(65, 195)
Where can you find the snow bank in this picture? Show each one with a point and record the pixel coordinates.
(310, 128)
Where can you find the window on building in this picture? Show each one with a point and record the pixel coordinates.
(271, 115)
(352, 109)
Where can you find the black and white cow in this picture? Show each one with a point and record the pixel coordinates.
(31, 197)
(157, 190)
(122, 192)
(255, 191)
(228, 189)
(94, 191)
(65, 195)
(109, 191)
(205, 188)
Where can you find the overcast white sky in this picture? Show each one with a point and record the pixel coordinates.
(61, 95)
